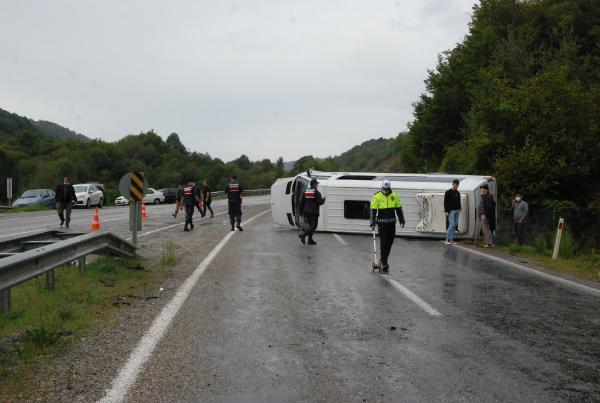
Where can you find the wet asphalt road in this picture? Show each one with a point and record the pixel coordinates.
(115, 219)
(273, 320)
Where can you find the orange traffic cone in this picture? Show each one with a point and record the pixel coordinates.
(144, 214)
(96, 222)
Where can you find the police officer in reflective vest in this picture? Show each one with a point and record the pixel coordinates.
(309, 209)
(385, 206)
(189, 200)
(235, 193)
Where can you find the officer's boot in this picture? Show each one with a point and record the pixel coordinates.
(185, 228)
(310, 240)
(239, 225)
(302, 237)
(385, 267)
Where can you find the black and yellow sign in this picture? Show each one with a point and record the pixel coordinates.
(136, 189)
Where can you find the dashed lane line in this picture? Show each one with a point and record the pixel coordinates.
(410, 295)
(340, 239)
(129, 372)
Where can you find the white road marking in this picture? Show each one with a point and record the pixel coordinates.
(412, 296)
(560, 280)
(173, 225)
(340, 239)
(129, 372)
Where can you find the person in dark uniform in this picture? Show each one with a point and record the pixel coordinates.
(206, 199)
(198, 200)
(190, 199)
(235, 193)
(385, 206)
(65, 196)
(309, 209)
(178, 200)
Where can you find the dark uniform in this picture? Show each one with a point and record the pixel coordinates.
(207, 199)
(198, 200)
(178, 200)
(384, 209)
(235, 193)
(189, 200)
(309, 209)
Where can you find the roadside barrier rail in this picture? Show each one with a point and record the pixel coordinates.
(22, 259)
(251, 192)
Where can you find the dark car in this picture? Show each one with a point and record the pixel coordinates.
(33, 197)
(170, 194)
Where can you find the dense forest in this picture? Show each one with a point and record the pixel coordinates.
(519, 98)
(35, 157)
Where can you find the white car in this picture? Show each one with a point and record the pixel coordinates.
(88, 195)
(121, 201)
(153, 196)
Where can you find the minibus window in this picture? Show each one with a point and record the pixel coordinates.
(356, 209)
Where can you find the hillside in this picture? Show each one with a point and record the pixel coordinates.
(11, 123)
(53, 129)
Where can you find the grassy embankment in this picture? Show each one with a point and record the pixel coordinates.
(43, 323)
(572, 259)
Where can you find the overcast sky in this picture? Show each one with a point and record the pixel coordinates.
(264, 78)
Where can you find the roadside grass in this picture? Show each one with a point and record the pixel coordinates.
(26, 209)
(169, 257)
(41, 322)
(584, 265)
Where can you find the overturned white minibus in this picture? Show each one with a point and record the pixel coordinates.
(348, 197)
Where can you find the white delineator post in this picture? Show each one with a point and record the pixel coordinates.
(559, 231)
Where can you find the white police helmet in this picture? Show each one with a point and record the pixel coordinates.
(386, 184)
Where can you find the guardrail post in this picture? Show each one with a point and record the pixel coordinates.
(50, 279)
(5, 303)
(82, 264)
(559, 231)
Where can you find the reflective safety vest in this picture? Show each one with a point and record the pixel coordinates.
(384, 208)
(381, 201)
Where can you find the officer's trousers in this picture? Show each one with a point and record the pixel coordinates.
(312, 220)
(387, 234)
(189, 213)
(235, 213)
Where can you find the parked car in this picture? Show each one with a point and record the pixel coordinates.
(102, 188)
(170, 194)
(88, 195)
(44, 197)
(121, 201)
(153, 196)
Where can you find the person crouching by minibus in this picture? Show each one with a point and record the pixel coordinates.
(385, 206)
(309, 209)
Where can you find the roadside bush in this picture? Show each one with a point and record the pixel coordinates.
(568, 246)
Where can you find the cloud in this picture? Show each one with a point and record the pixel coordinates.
(264, 78)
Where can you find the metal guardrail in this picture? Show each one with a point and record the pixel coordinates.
(24, 258)
(252, 192)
